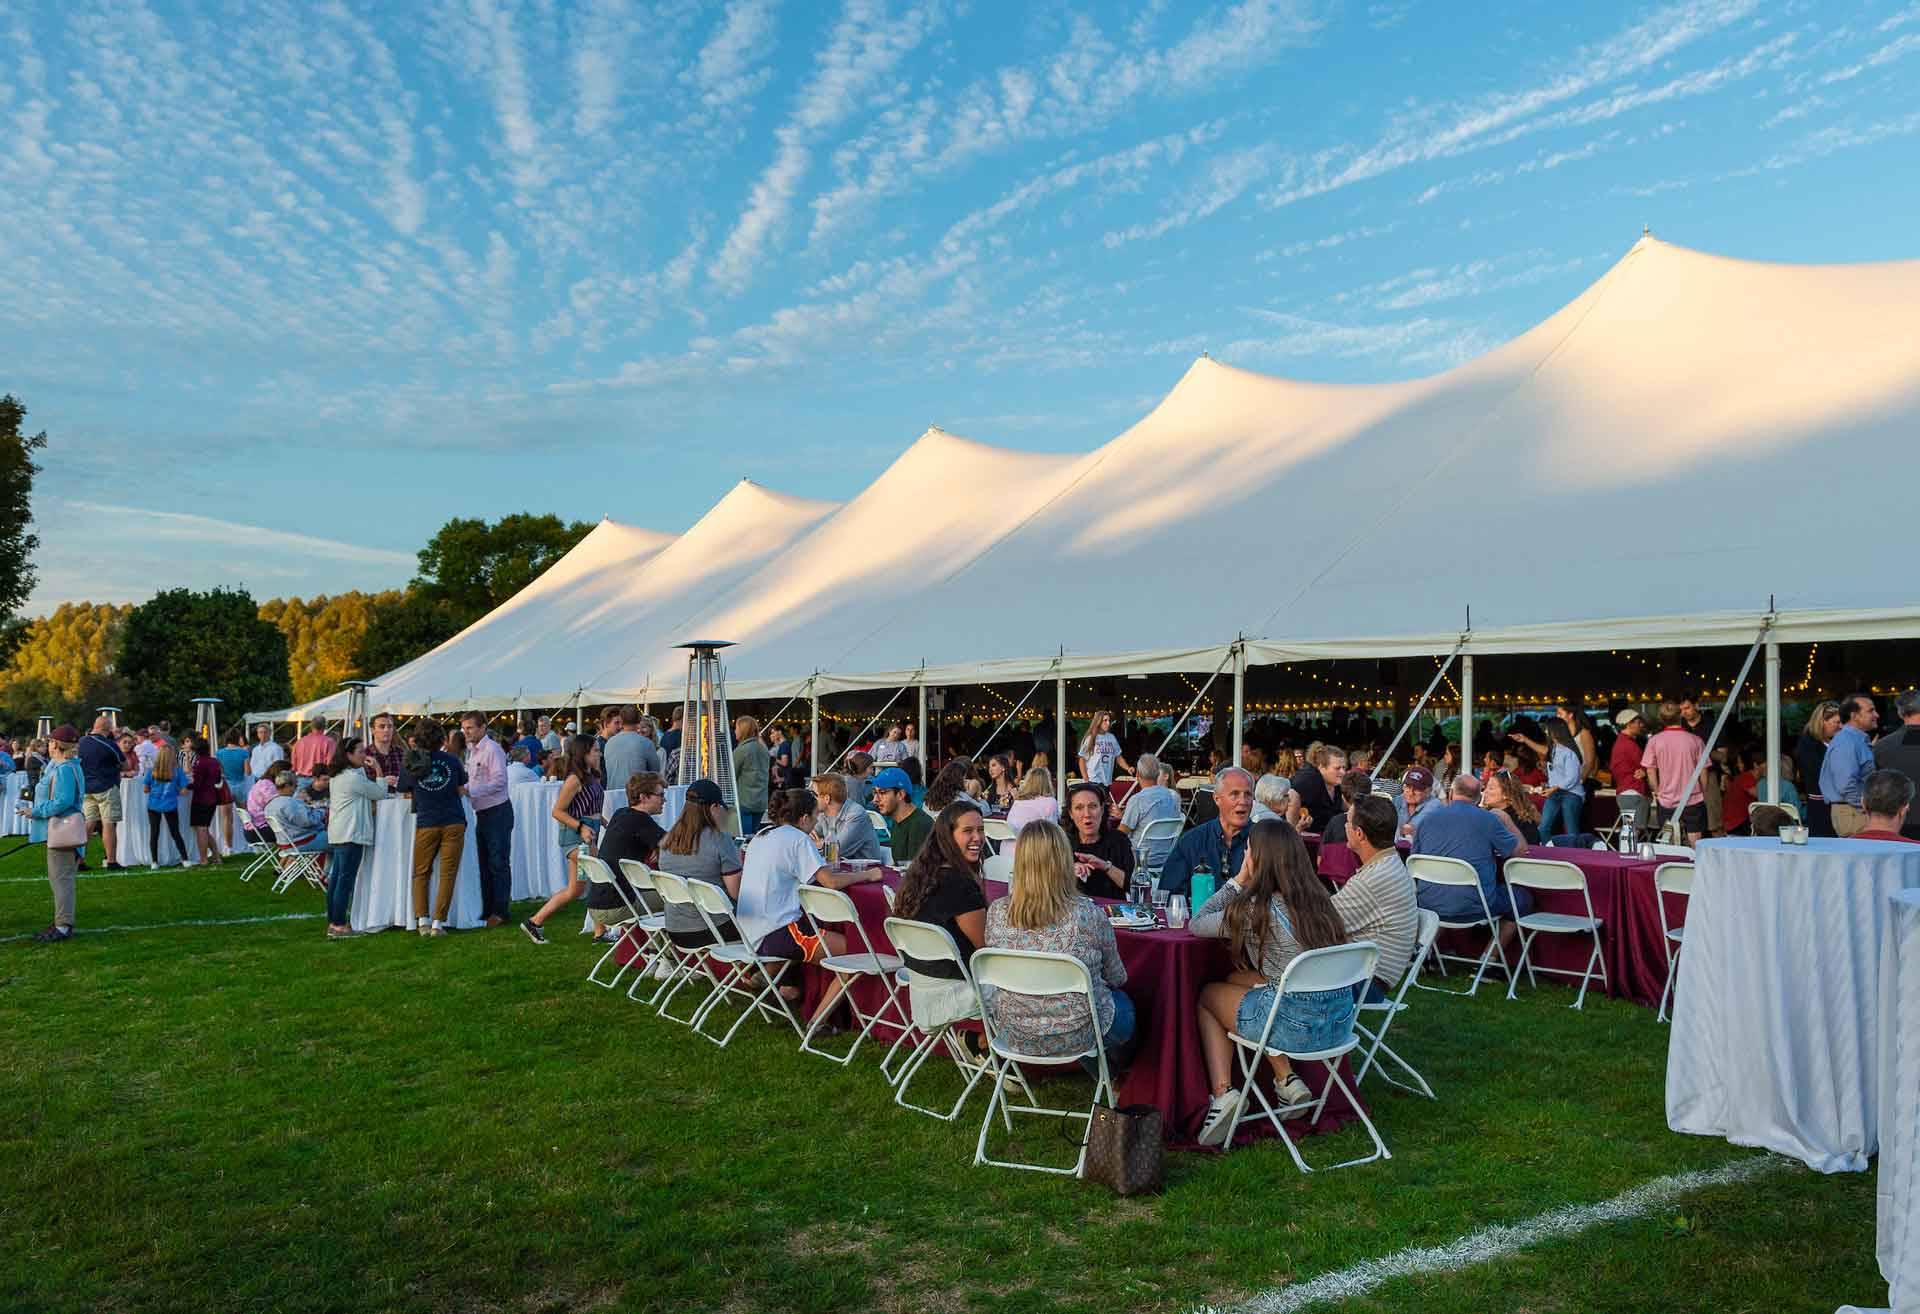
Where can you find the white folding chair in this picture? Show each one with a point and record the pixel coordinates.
(598, 873)
(291, 862)
(926, 943)
(1456, 873)
(1338, 967)
(651, 927)
(880, 827)
(1553, 874)
(1793, 813)
(684, 964)
(1024, 972)
(1160, 828)
(743, 965)
(1671, 878)
(1374, 1042)
(824, 907)
(998, 831)
(998, 867)
(261, 847)
(1673, 851)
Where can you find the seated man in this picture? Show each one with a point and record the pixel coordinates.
(1150, 801)
(907, 826)
(1416, 795)
(1379, 902)
(1219, 845)
(1886, 797)
(304, 827)
(844, 821)
(1462, 829)
(520, 770)
(632, 832)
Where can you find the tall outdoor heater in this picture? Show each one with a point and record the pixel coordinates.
(356, 717)
(706, 731)
(113, 717)
(45, 726)
(206, 721)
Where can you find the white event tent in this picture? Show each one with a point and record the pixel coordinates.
(1696, 451)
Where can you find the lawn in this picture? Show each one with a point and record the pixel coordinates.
(247, 1117)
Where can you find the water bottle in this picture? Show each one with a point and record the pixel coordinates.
(1200, 888)
(1626, 834)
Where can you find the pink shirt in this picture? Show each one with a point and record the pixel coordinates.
(311, 751)
(1673, 753)
(258, 797)
(1024, 810)
(486, 775)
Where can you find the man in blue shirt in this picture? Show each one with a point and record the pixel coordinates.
(1481, 838)
(1849, 762)
(1220, 844)
(100, 763)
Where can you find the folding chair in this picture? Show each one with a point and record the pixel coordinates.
(651, 926)
(999, 832)
(1339, 967)
(881, 829)
(1673, 851)
(1167, 828)
(927, 943)
(684, 964)
(1025, 972)
(598, 873)
(291, 862)
(998, 867)
(261, 847)
(1671, 878)
(1375, 1042)
(742, 963)
(1427, 869)
(1553, 874)
(824, 907)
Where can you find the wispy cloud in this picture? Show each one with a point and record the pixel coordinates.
(1895, 49)
(729, 69)
(183, 527)
(1224, 180)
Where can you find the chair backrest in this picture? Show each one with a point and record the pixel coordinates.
(596, 869)
(671, 888)
(638, 874)
(279, 832)
(880, 826)
(1674, 878)
(1544, 874)
(1191, 782)
(1158, 829)
(709, 898)
(1030, 972)
(1787, 808)
(998, 830)
(1672, 851)
(926, 943)
(1423, 938)
(1435, 870)
(824, 905)
(1337, 967)
(998, 867)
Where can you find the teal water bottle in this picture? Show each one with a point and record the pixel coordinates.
(1200, 889)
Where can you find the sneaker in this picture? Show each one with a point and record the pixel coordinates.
(53, 935)
(534, 933)
(438, 932)
(1295, 1098)
(340, 933)
(1220, 1115)
(425, 929)
(114, 866)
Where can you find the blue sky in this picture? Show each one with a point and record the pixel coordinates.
(292, 283)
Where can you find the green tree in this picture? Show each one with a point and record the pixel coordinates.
(401, 626)
(181, 644)
(471, 567)
(73, 649)
(17, 469)
(324, 637)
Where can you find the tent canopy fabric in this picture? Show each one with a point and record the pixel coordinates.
(1692, 441)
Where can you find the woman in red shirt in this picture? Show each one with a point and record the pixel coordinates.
(205, 798)
(1741, 790)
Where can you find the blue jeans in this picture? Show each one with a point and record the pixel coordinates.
(493, 834)
(1560, 814)
(341, 873)
(749, 822)
(1117, 1039)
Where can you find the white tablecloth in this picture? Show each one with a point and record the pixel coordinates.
(539, 869)
(1898, 1245)
(1777, 1021)
(383, 892)
(13, 823)
(130, 839)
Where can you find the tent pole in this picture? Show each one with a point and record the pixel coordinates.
(813, 737)
(921, 724)
(1060, 739)
(1174, 730)
(1414, 719)
(1466, 714)
(1673, 827)
(1773, 722)
(878, 717)
(1006, 721)
(1239, 698)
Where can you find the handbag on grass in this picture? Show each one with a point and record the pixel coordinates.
(1127, 1149)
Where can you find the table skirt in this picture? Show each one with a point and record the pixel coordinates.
(383, 892)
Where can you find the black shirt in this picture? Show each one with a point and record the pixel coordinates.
(631, 834)
(953, 893)
(1899, 750)
(1311, 786)
(1113, 847)
(1809, 755)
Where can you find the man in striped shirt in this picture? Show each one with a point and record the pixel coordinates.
(1379, 902)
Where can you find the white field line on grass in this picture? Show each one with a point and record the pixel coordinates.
(168, 926)
(1500, 1240)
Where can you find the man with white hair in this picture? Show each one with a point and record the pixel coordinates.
(1271, 795)
(1150, 801)
(1219, 845)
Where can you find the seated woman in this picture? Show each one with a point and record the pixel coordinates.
(700, 847)
(1271, 794)
(942, 885)
(1035, 803)
(949, 783)
(1102, 856)
(1042, 911)
(1269, 913)
(780, 860)
(1502, 793)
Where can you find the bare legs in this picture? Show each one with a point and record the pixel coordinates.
(575, 888)
(1219, 1015)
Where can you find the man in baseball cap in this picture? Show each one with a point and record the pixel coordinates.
(1623, 763)
(1416, 791)
(907, 826)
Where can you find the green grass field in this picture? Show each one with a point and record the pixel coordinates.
(247, 1117)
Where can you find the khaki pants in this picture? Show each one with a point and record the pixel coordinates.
(1848, 820)
(447, 843)
(61, 865)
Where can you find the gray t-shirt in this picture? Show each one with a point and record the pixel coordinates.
(626, 753)
(1151, 804)
(714, 856)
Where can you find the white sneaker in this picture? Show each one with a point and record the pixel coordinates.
(1295, 1098)
(1220, 1115)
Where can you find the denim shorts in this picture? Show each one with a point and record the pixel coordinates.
(1309, 1020)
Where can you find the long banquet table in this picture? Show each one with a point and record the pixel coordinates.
(383, 891)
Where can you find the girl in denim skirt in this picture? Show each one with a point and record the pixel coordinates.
(1272, 911)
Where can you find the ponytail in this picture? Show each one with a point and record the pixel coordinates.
(790, 807)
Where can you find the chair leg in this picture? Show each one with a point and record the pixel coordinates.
(1513, 977)
(1587, 976)
(1666, 992)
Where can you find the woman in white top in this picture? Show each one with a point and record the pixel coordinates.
(351, 795)
(1036, 803)
(779, 861)
(1099, 751)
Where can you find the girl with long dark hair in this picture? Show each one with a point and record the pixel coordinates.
(943, 884)
(1274, 909)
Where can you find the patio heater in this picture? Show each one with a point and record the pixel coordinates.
(206, 721)
(357, 723)
(706, 731)
(113, 717)
(44, 728)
